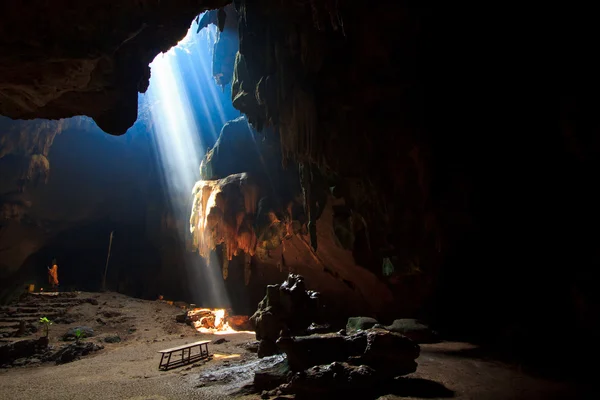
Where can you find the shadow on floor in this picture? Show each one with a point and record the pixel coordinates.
(415, 387)
(549, 363)
(402, 387)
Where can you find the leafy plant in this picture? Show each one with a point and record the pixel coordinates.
(79, 334)
(46, 323)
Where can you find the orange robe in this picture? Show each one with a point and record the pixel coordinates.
(53, 275)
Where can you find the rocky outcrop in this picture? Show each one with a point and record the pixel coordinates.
(416, 330)
(330, 364)
(287, 308)
(21, 349)
(356, 324)
(391, 353)
(24, 148)
(57, 60)
(222, 214)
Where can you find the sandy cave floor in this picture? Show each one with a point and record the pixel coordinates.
(129, 369)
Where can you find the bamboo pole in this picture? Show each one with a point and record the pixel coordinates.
(107, 259)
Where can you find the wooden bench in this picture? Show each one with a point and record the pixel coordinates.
(203, 353)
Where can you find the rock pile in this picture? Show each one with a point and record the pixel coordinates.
(317, 364)
(322, 364)
(287, 307)
(33, 351)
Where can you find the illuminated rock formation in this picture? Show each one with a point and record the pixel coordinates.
(222, 213)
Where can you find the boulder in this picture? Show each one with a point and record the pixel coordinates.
(288, 307)
(415, 330)
(21, 349)
(112, 339)
(71, 334)
(390, 353)
(337, 378)
(316, 328)
(356, 324)
(73, 352)
(305, 351)
(272, 377)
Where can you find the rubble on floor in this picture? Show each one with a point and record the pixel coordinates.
(34, 351)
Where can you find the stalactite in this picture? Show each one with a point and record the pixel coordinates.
(222, 214)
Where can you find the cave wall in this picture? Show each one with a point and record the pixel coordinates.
(436, 130)
(96, 184)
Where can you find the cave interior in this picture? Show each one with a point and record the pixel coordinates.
(409, 159)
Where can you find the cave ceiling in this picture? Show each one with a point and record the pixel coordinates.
(63, 58)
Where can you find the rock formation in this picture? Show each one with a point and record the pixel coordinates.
(327, 364)
(288, 308)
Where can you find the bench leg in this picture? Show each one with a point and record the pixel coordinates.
(160, 365)
(168, 361)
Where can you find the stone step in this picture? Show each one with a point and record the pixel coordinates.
(28, 319)
(33, 315)
(31, 310)
(55, 303)
(17, 320)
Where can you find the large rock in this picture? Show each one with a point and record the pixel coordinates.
(21, 349)
(356, 324)
(73, 352)
(417, 331)
(288, 307)
(71, 334)
(272, 377)
(390, 353)
(337, 377)
(305, 351)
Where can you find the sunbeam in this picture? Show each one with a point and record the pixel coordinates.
(187, 111)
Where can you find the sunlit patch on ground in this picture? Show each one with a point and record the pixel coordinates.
(212, 320)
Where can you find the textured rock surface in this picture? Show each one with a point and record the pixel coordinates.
(21, 349)
(356, 324)
(390, 353)
(416, 330)
(58, 59)
(288, 307)
(333, 363)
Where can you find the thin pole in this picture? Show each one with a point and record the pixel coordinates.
(107, 258)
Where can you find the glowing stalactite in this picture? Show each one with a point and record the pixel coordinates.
(222, 214)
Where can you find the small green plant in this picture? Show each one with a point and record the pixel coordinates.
(79, 334)
(46, 323)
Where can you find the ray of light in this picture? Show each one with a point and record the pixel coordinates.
(184, 106)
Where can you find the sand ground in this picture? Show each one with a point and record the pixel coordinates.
(129, 369)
